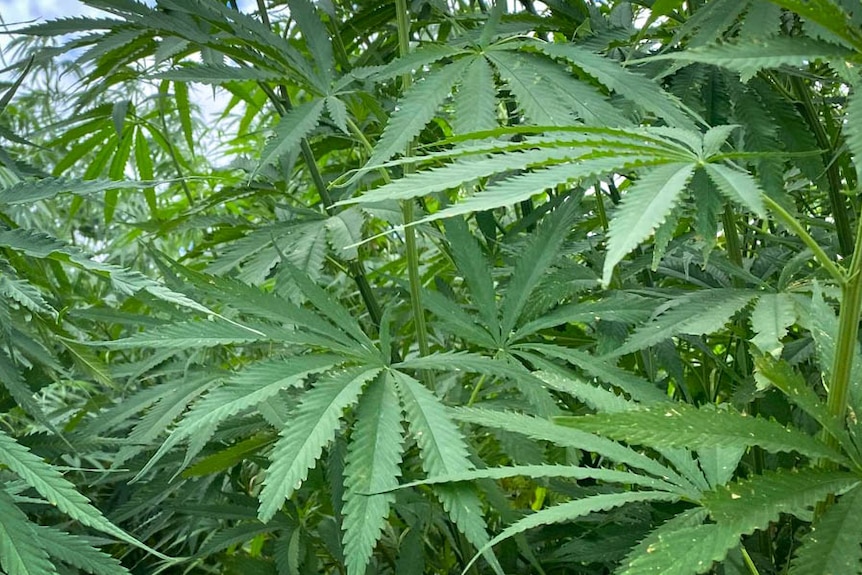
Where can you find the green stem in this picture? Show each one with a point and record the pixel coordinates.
(357, 270)
(731, 236)
(799, 230)
(403, 20)
(848, 332)
(837, 200)
(748, 562)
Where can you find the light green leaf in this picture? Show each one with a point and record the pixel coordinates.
(643, 208)
(291, 129)
(311, 428)
(719, 463)
(853, 125)
(459, 173)
(641, 90)
(618, 306)
(444, 451)
(698, 313)
(30, 191)
(522, 187)
(78, 552)
(535, 259)
(737, 186)
(544, 430)
(475, 102)
(833, 544)
(543, 471)
(248, 388)
(475, 268)
(770, 318)
(793, 385)
(337, 112)
(574, 509)
(315, 35)
(680, 425)
(416, 109)
(58, 491)
(195, 334)
(20, 550)
(685, 550)
(211, 73)
(635, 386)
(415, 60)
(752, 503)
(750, 56)
(372, 467)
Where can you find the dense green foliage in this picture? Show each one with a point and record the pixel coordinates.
(432, 287)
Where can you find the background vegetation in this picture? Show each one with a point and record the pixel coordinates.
(432, 287)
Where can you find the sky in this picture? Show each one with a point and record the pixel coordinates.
(20, 11)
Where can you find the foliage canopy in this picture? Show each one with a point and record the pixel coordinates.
(432, 287)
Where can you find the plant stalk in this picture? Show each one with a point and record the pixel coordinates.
(355, 267)
(848, 335)
(403, 21)
(837, 201)
(799, 230)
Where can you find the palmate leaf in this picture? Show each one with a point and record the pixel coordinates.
(128, 282)
(372, 467)
(528, 385)
(77, 552)
(701, 312)
(450, 317)
(250, 387)
(29, 191)
(773, 314)
(680, 425)
(833, 544)
(619, 307)
(535, 259)
(20, 550)
(635, 386)
(544, 430)
(46, 480)
(193, 334)
(315, 35)
(539, 105)
(751, 504)
(416, 108)
(332, 309)
(444, 451)
(453, 175)
(475, 102)
(853, 126)
(291, 129)
(595, 397)
(476, 271)
(554, 81)
(212, 73)
(643, 209)
(689, 550)
(639, 89)
(542, 471)
(738, 186)
(827, 14)
(311, 428)
(522, 187)
(573, 510)
(750, 56)
(793, 385)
